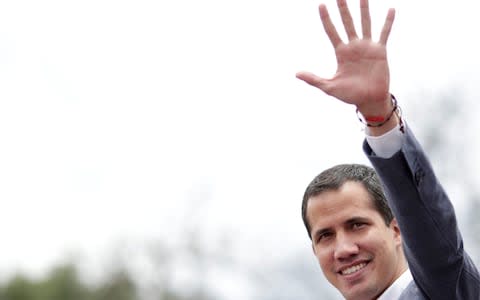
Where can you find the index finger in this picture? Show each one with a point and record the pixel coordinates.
(387, 27)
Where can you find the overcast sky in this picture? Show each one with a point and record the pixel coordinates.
(130, 119)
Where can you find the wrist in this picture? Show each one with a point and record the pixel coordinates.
(382, 118)
(375, 111)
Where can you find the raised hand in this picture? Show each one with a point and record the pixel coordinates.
(362, 76)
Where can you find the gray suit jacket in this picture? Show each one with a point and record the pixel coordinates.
(433, 245)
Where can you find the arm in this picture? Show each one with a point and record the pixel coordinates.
(432, 242)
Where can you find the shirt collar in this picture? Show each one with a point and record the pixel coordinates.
(394, 291)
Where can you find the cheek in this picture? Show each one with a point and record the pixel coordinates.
(374, 242)
(380, 245)
(324, 257)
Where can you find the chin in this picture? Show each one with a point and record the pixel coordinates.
(361, 293)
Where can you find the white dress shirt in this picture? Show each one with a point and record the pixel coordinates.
(387, 144)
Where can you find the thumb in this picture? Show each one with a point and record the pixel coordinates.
(314, 80)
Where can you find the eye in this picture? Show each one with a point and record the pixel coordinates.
(358, 225)
(324, 237)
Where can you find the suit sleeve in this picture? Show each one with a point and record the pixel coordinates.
(432, 241)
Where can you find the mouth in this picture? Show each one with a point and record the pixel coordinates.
(351, 270)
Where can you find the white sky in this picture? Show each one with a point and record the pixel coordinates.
(120, 118)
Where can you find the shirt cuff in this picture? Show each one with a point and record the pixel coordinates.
(386, 145)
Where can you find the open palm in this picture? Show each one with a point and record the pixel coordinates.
(362, 76)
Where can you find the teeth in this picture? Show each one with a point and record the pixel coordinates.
(353, 269)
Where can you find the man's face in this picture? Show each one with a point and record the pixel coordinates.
(357, 252)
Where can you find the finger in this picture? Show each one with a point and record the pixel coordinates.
(347, 19)
(366, 21)
(314, 80)
(329, 27)
(387, 27)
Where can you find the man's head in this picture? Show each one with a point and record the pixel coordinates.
(354, 234)
(335, 177)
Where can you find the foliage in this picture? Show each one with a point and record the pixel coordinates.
(64, 283)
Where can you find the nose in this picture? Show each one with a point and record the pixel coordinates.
(345, 247)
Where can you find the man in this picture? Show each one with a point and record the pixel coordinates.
(364, 251)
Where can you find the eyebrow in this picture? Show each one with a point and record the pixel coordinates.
(358, 220)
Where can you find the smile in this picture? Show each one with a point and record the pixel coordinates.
(353, 269)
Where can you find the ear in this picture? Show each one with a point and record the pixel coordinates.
(396, 230)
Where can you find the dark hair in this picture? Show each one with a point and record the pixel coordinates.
(335, 177)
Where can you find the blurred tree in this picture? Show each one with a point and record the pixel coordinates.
(19, 288)
(62, 283)
(119, 287)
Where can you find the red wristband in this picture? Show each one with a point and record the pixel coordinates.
(375, 119)
(379, 121)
